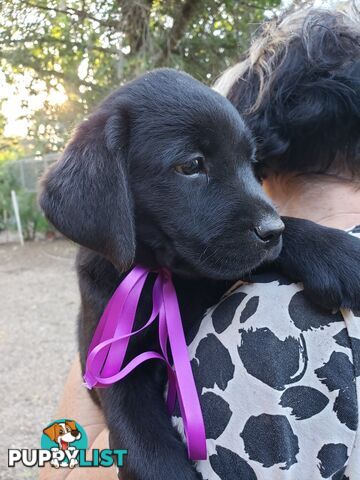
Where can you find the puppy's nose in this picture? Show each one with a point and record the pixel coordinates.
(74, 433)
(269, 229)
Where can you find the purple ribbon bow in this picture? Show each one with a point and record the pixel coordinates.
(110, 341)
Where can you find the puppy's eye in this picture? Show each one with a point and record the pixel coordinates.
(192, 167)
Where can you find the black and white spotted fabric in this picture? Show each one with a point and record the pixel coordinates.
(279, 381)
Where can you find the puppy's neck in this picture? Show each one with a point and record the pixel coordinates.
(98, 277)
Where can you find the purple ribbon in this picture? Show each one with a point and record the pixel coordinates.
(104, 364)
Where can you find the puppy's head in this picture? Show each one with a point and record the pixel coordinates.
(162, 174)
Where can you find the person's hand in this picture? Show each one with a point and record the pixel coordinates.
(77, 404)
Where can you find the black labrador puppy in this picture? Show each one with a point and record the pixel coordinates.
(162, 175)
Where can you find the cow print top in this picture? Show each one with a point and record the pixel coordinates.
(279, 381)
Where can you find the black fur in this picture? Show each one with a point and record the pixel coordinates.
(116, 192)
(308, 119)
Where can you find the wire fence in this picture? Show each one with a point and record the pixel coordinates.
(20, 215)
(28, 171)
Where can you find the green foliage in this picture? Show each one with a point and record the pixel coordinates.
(88, 47)
(7, 183)
(32, 219)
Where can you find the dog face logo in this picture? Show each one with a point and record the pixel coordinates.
(63, 433)
(60, 436)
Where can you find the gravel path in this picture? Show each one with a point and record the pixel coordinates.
(39, 300)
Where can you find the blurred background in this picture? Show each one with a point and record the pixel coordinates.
(58, 59)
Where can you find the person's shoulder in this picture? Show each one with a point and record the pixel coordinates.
(271, 300)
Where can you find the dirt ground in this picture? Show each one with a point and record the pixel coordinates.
(39, 301)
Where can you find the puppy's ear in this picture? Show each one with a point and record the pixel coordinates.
(51, 432)
(86, 195)
(71, 424)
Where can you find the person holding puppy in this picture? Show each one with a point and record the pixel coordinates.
(278, 376)
(284, 403)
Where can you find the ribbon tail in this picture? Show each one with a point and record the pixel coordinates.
(187, 394)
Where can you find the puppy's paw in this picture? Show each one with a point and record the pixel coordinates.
(73, 462)
(326, 260)
(334, 282)
(55, 463)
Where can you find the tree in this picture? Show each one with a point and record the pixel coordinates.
(86, 48)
